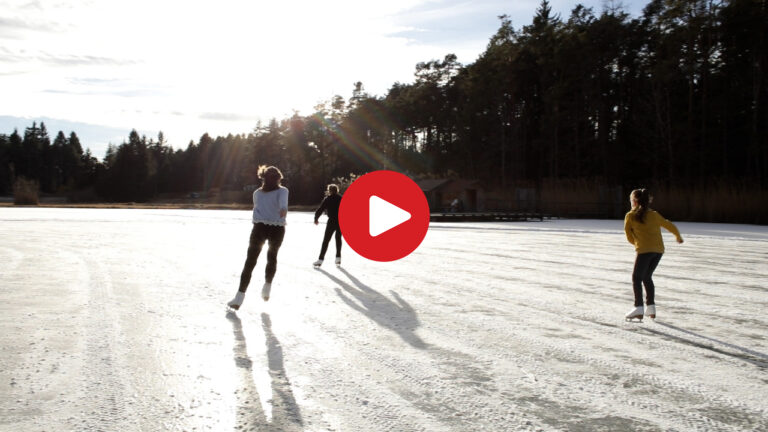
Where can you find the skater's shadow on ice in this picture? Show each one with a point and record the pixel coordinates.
(755, 357)
(281, 411)
(397, 316)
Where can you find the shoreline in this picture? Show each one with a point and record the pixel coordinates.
(159, 206)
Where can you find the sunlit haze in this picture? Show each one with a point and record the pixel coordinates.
(187, 68)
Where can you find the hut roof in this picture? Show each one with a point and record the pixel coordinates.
(428, 185)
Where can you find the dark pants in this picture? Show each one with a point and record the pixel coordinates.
(261, 233)
(330, 228)
(645, 264)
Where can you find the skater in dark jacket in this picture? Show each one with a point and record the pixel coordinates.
(270, 207)
(330, 205)
(642, 226)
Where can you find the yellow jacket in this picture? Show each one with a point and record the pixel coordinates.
(646, 236)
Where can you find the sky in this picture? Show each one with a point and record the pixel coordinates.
(104, 67)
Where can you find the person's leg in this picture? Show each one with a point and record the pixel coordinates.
(650, 289)
(276, 235)
(642, 263)
(326, 240)
(338, 240)
(258, 236)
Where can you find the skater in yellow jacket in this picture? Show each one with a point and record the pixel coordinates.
(643, 228)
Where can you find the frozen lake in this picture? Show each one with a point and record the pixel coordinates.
(115, 320)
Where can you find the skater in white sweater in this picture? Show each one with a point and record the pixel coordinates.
(270, 207)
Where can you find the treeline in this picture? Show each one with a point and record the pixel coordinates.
(55, 166)
(676, 96)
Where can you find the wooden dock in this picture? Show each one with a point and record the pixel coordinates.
(490, 216)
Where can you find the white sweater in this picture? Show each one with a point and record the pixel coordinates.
(267, 206)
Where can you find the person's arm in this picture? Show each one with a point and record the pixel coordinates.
(321, 209)
(628, 229)
(284, 203)
(669, 226)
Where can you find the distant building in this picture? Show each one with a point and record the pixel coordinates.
(441, 193)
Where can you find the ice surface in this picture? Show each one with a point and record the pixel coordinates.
(116, 320)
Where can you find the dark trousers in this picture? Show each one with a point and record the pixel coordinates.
(330, 228)
(260, 234)
(645, 264)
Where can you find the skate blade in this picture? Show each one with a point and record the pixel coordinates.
(634, 319)
(233, 308)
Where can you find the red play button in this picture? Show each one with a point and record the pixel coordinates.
(384, 216)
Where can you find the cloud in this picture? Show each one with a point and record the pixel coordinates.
(95, 81)
(9, 56)
(32, 5)
(219, 116)
(450, 22)
(128, 93)
(82, 60)
(16, 28)
(111, 86)
(14, 23)
(13, 73)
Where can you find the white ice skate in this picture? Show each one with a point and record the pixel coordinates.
(338, 261)
(635, 314)
(237, 301)
(265, 291)
(650, 311)
(317, 263)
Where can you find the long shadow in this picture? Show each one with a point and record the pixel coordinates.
(756, 358)
(283, 401)
(730, 345)
(398, 316)
(286, 415)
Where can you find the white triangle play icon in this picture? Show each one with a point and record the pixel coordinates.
(383, 216)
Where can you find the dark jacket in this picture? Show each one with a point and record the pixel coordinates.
(329, 205)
